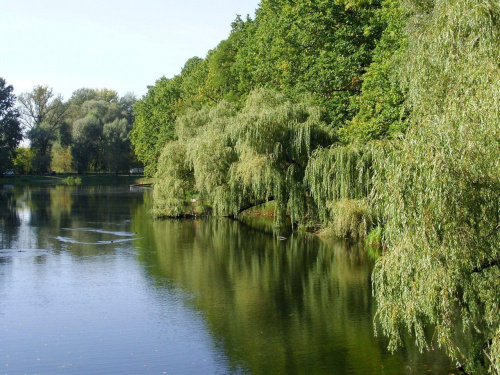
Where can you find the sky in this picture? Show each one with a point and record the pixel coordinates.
(121, 45)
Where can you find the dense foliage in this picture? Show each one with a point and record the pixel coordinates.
(10, 127)
(354, 116)
(234, 159)
(89, 132)
(319, 49)
(439, 188)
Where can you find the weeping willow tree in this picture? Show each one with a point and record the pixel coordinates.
(274, 139)
(340, 179)
(440, 189)
(174, 181)
(234, 160)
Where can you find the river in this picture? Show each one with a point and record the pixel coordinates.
(91, 284)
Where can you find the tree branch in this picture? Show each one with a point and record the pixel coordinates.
(249, 205)
(482, 267)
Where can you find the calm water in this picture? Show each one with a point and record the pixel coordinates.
(90, 284)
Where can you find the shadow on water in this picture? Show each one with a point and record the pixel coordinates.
(297, 306)
(294, 306)
(43, 217)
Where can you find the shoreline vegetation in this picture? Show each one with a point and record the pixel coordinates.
(370, 120)
(373, 120)
(75, 180)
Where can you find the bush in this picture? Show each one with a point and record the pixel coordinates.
(351, 219)
(72, 181)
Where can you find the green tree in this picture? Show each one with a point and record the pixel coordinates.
(23, 161)
(117, 145)
(87, 141)
(380, 108)
(238, 159)
(97, 129)
(42, 114)
(222, 79)
(10, 127)
(82, 95)
(320, 47)
(61, 159)
(154, 121)
(439, 277)
(41, 139)
(127, 103)
(41, 106)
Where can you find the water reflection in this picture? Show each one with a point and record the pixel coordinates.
(83, 305)
(217, 293)
(294, 306)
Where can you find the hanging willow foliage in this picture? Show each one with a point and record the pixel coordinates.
(238, 159)
(174, 181)
(340, 172)
(274, 139)
(441, 188)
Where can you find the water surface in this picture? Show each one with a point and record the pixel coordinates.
(90, 284)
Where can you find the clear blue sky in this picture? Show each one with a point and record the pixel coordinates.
(122, 45)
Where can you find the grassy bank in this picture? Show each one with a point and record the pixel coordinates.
(86, 180)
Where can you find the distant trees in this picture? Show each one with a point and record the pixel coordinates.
(42, 114)
(117, 155)
(100, 123)
(87, 140)
(61, 159)
(90, 131)
(22, 162)
(10, 127)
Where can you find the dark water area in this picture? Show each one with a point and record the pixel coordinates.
(91, 284)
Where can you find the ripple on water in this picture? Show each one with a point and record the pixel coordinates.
(102, 231)
(6, 253)
(101, 242)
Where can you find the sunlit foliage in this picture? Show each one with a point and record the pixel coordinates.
(238, 159)
(440, 187)
(61, 159)
(154, 122)
(380, 108)
(354, 115)
(10, 126)
(340, 172)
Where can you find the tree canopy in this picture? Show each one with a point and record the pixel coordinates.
(42, 114)
(88, 132)
(439, 188)
(356, 117)
(10, 126)
(233, 159)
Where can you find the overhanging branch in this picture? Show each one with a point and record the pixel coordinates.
(482, 267)
(249, 205)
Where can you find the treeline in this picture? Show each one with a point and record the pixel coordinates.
(359, 117)
(87, 133)
(257, 118)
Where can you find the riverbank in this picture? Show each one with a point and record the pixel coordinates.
(86, 180)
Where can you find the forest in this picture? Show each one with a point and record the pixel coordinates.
(373, 120)
(361, 119)
(87, 133)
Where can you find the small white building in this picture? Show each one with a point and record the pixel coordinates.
(136, 170)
